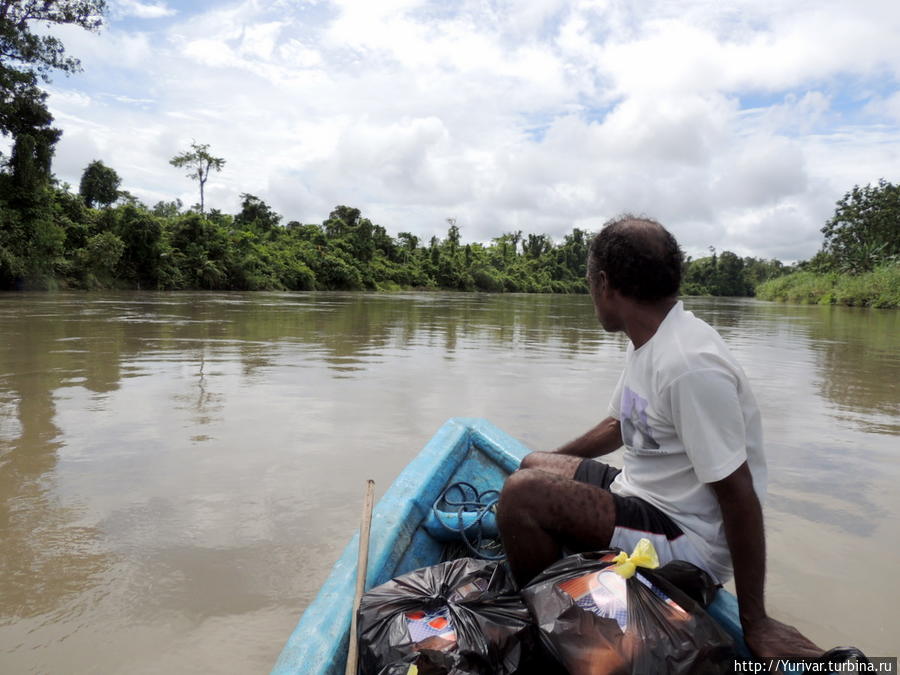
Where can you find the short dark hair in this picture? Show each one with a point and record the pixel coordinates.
(641, 258)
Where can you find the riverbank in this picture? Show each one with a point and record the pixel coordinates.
(879, 288)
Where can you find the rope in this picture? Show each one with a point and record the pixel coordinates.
(470, 500)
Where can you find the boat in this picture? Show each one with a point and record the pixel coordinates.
(404, 538)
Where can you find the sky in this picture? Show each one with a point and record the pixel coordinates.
(738, 125)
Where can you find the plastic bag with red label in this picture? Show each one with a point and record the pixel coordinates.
(460, 617)
(603, 613)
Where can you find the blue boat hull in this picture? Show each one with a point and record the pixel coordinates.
(471, 450)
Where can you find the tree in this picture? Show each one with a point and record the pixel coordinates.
(536, 245)
(341, 221)
(256, 215)
(199, 163)
(865, 229)
(30, 241)
(165, 209)
(346, 223)
(201, 248)
(756, 271)
(33, 141)
(38, 55)
(141, 233)
(99, 184)
(26, 57)
(408, 241)
(452, 240)
(728, 278)
(102, 253)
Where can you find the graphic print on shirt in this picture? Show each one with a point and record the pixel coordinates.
(636, 432)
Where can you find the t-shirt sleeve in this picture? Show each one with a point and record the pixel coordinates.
(614, 402)
(708, 418)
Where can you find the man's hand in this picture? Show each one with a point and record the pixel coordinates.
(769, 639)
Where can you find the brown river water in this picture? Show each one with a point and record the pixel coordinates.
(179, 471)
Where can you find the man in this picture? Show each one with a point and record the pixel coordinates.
(694, 471)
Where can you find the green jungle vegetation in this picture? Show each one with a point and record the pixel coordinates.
(879, 288)
(66, 240)
(103, 237)
(859, 263)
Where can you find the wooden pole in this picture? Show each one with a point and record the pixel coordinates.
(362, 564)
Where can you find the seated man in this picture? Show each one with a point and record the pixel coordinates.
(694, 470)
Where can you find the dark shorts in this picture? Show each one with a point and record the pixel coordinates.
(632, 513)
(637, 519)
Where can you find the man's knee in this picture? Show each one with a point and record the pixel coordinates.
(520, 482)
(581, 517)
(518, 491)
(531, 461)
(528, 490)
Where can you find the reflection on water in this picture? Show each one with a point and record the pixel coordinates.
(179, 471)
(42, 538)
(853, 345)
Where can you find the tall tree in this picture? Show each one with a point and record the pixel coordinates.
(452, 235)
(26, 57)
(865, 228)
(199, 162)
(30, 241)
(29, 123)
(99, 184)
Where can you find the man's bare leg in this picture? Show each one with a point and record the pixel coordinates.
(552, 462)
(541, 512)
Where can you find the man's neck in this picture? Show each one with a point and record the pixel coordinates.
(643, 319)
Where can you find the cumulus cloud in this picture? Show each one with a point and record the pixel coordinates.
(739, 127)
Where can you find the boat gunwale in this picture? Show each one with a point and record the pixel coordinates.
(329, 614)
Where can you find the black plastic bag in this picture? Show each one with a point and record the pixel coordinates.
(462, 617)
(596, 622)
(687, 578)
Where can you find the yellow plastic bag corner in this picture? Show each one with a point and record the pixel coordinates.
(643, 555)
(413, 670)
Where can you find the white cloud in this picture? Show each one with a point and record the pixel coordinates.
(295, 53)
(738, 126)
(145, 10)
(762, 171)
(258, 41)
(211, 53)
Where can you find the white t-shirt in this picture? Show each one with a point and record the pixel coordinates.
(688, 418)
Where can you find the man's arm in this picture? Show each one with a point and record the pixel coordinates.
(604, 438)
(743, 520)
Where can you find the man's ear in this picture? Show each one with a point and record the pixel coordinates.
(602, 282)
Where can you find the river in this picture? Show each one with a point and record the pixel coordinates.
(178, 471)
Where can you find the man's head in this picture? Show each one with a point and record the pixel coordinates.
(632, 261)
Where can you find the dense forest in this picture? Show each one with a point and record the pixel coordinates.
(63, 239)
(99, 236)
